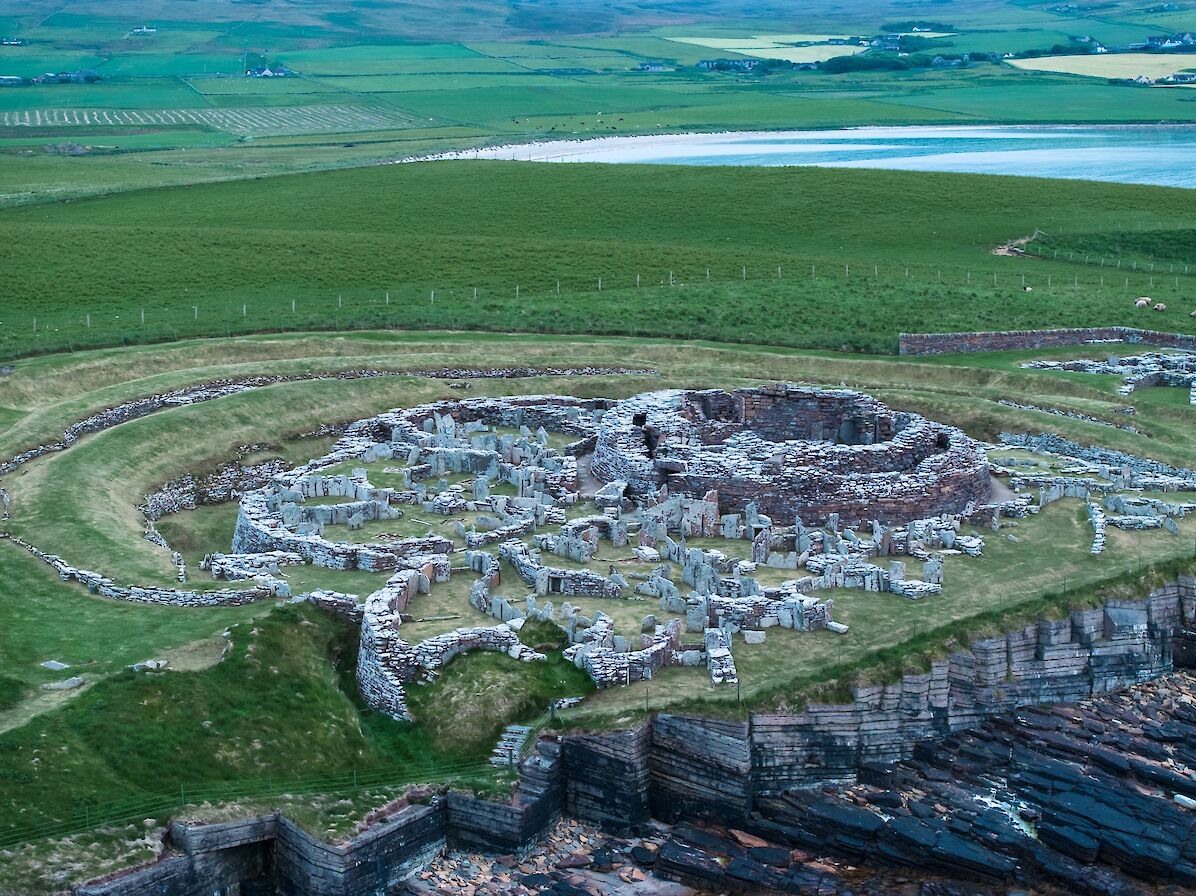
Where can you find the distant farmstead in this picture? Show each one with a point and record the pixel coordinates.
(269, 71)
(728, 65)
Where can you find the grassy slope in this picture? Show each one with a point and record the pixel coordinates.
(289, 681)
(281, 706)
(235, 256)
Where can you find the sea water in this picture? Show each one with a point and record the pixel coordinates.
(1139, 154)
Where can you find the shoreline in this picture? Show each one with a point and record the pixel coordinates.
(891, 147)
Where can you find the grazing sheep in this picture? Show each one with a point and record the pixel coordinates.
(1027, 289)
(1160, 307)
(1193, 314)
(1142, 303)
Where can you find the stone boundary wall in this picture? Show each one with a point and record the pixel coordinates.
(99, 584)
(199, 392)
(950, 343)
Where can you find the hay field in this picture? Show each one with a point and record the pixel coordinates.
(1110, 65)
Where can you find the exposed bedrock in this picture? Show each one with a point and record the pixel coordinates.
(1097, 798)
(964, 781)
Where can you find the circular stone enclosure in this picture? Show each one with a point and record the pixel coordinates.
(796, 452)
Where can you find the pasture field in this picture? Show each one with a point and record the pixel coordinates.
(252, 88)
(1120, 65)
(1059, 98)
(326, 250)
(290, 669)
(508, 74)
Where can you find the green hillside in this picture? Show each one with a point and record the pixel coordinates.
(799, 257)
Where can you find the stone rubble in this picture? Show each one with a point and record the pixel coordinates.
(793, 451)
(1063, 412)
(1137, 371)
(1135, 472)
(237, 567)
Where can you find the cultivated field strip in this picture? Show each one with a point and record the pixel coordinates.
(246, 122)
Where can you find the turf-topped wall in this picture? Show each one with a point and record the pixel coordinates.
(948, 343)
(271, 854)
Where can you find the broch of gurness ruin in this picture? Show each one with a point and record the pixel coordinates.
(601, 448)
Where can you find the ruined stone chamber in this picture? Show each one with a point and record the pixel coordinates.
(797, 452)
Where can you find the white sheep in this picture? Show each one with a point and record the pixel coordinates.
(1160, 307)
(1142, 303)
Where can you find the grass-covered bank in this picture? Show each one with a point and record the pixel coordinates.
(1045, 575)
(286, 683)
(280, 709)
(800, 257)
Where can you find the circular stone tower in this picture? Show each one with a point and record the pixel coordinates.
(798, 452)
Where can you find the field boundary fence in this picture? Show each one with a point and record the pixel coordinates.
(1112, 264)
(535, 306)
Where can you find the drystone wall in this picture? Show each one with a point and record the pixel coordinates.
(945, 343)
(227, 483)
(264, 587)
(271, 854)
(386, 662)
(1133, 471)
(208, 391)
(793, 452)
(1145, 370)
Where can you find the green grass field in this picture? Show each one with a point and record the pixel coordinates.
(793, 265)
(510, 72)
(291, 669)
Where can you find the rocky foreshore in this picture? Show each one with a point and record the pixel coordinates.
(1093, 798)
(1096, 797)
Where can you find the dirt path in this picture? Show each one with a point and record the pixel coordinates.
(1017, 248)
(587, 483)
